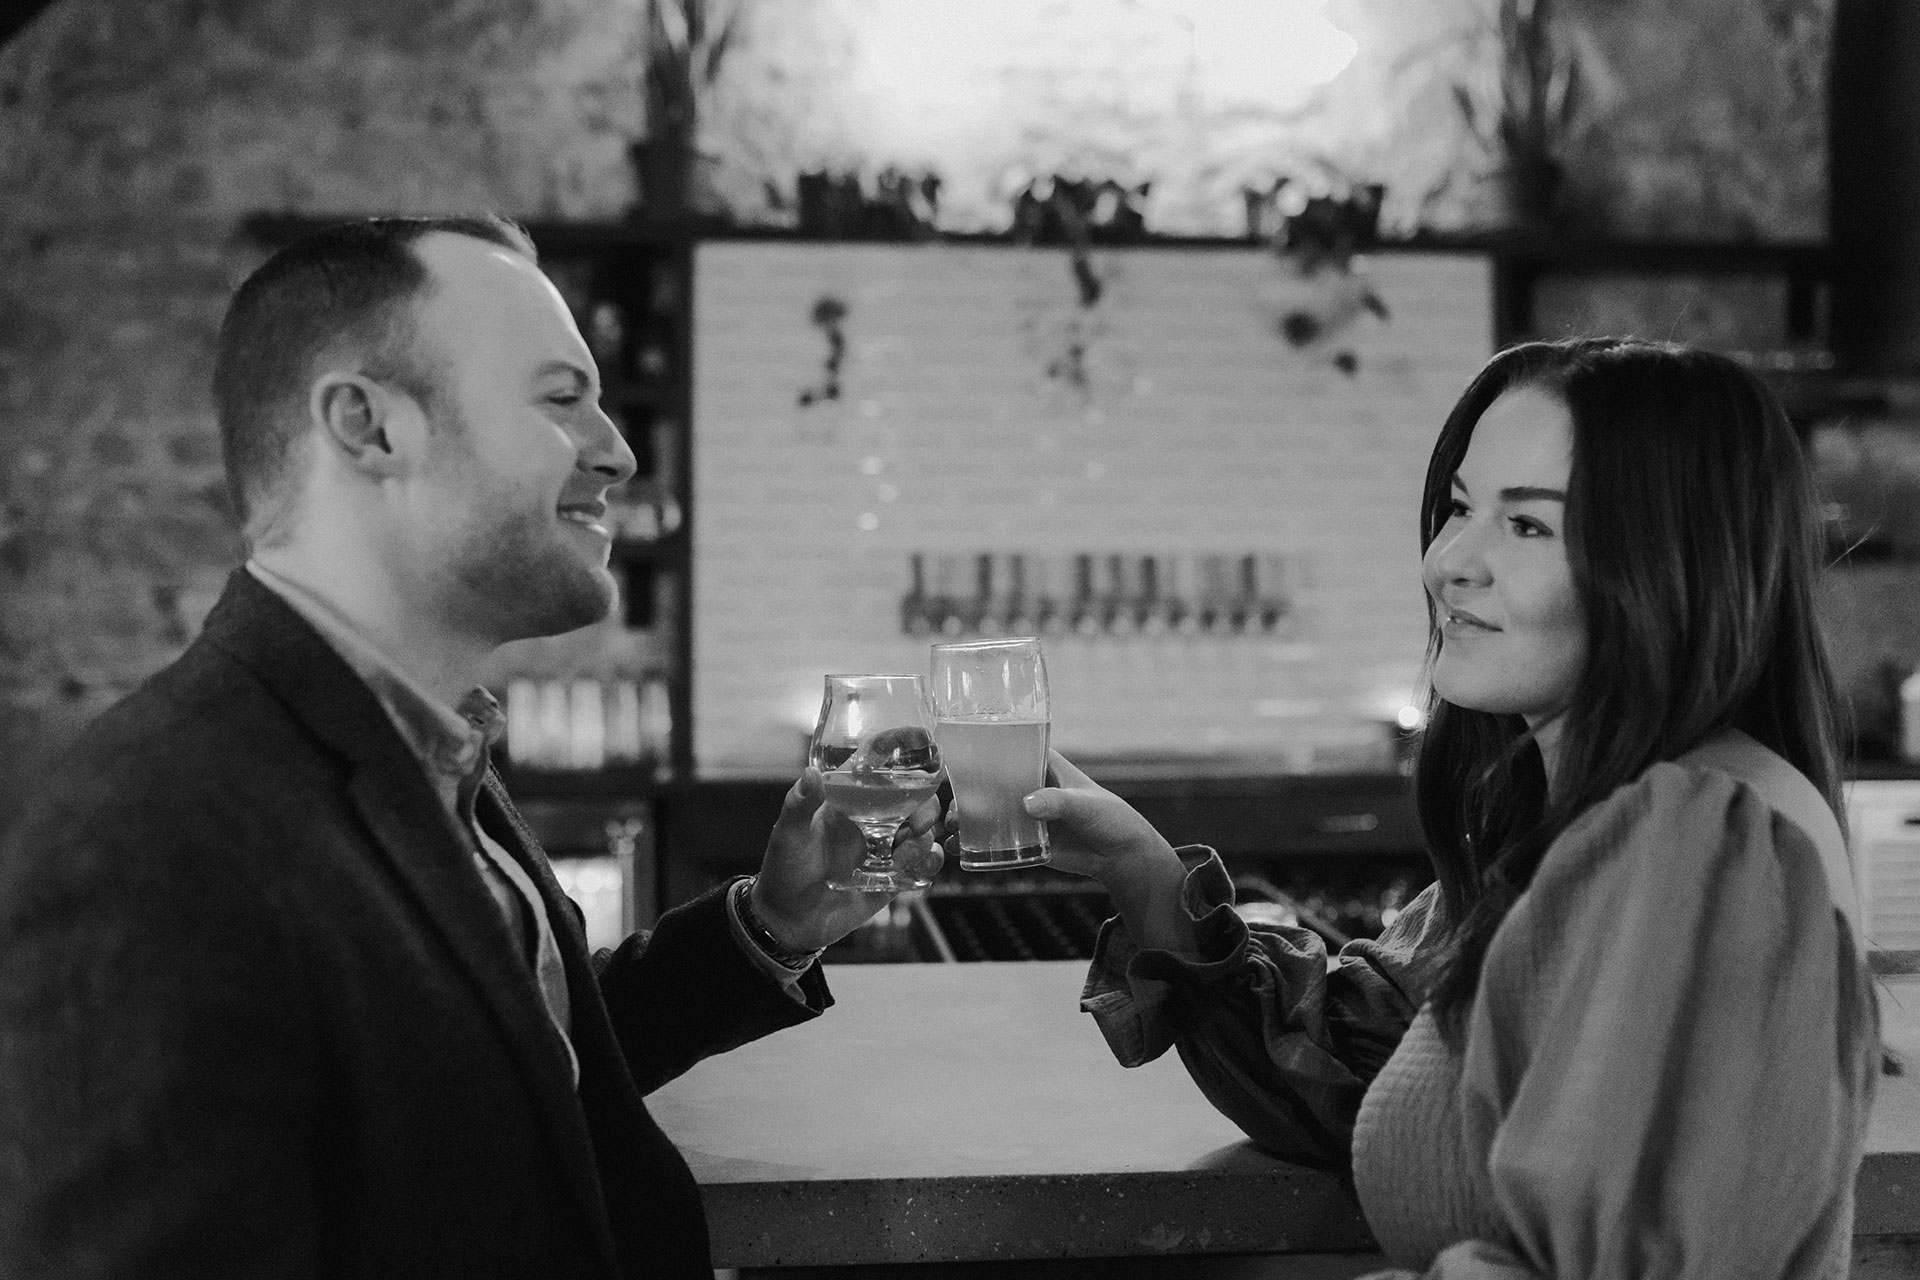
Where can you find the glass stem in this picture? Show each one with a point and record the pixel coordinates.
(879, 847)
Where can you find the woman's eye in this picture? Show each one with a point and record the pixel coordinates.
(1457, 508)
(1530, 528)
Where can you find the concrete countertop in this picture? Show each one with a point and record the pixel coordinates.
(970, 1112)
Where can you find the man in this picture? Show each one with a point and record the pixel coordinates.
(286, 986)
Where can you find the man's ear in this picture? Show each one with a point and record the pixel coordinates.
(353, 413)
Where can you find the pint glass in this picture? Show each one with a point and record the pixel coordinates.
(990, 720)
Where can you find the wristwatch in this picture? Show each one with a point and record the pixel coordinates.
(775, 950)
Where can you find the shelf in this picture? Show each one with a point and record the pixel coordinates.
(1884, 771)
(598, 786)
(639, 395)
(665, 550)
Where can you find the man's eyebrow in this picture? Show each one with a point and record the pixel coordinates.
(564, 368)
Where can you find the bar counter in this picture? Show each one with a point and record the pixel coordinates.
(971, 1112)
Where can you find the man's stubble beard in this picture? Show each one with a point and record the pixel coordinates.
(510, 563)
(527, 584)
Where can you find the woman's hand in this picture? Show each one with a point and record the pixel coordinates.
(1093, 832)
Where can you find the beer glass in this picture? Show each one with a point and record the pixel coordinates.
(875, 751)
(990, 719)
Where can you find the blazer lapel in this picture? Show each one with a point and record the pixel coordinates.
(503, 822)
(422, 843)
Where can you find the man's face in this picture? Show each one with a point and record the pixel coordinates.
(506, 512)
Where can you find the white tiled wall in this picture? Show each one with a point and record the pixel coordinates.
(1193, 427)
(1883, 818)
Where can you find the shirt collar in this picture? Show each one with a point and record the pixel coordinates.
(451, 742)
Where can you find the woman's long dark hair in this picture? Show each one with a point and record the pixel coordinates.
(1694, 543)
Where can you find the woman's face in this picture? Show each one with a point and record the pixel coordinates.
(1513, 638)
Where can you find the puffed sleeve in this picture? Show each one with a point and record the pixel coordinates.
(1672, 1053)
(1282, 1040)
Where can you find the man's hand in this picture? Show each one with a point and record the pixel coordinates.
(809, 844)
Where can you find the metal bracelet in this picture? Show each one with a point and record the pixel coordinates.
(772, 947)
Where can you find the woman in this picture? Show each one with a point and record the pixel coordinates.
(1628, 1031)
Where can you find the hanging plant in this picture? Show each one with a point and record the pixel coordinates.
(1537, 106)
(686, 47)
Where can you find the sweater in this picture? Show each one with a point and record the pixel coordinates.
(1666, 1071)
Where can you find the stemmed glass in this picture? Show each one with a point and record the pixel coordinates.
(875, 752)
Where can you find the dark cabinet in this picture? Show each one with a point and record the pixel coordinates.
(629, 293)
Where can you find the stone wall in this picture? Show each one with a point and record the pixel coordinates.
(134, 138)
(1695, 117)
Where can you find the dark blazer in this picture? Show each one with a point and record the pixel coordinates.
(260, 1017)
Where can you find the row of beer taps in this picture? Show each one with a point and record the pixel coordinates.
(1087, 593)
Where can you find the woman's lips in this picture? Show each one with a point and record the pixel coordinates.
(1460, 618)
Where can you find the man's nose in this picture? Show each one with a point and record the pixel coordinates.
(605, 451)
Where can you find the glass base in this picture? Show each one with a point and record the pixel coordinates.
(891, 880)
(1029, 855)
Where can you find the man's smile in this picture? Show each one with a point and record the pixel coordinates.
(589, 515)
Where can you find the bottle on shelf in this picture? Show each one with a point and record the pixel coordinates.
(586, 735)
(656, 720)
(606, 332)
(623, 733)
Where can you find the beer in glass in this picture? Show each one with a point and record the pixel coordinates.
(991, 721)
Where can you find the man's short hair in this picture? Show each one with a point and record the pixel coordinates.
(344, 289)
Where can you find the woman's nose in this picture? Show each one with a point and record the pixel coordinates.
(1458, 555)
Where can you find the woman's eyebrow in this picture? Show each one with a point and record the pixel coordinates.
(1532, 493)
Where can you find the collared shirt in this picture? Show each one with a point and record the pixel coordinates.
(452, 746)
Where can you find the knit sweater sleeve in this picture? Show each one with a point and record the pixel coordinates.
(1282, 1038)
(1672, 1051)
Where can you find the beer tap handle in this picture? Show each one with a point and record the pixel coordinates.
(1151, 617)
(1246, 597)
(1274, 601)
(1081, 614)
(913, 605)
(977, 613)
(1014, 610)
(1117, 610)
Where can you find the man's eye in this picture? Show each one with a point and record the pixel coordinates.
(567, 398)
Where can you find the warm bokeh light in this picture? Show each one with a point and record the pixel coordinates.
(946, 72)
(1264, 52)
(1409, 717)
